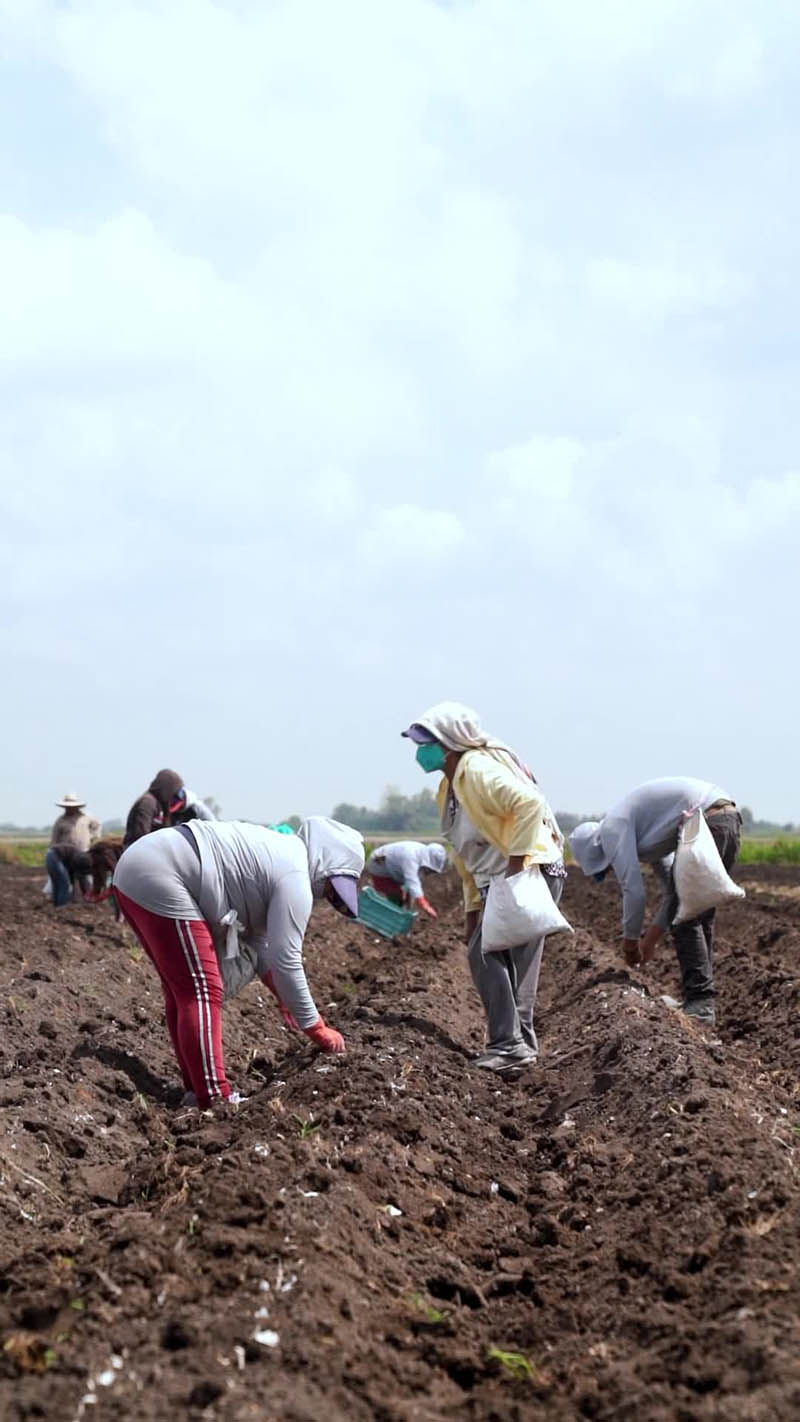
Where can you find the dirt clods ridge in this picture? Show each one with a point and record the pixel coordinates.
(396, 1235)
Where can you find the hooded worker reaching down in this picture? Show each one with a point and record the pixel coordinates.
(396, 870)
(498, 821)
(643, 828)
(152, 809)
(212, 901)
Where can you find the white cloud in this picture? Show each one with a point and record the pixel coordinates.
(119, 294)
(408, 535)
(654, 292)
(646, 506)
(298, 295)
(541, 465)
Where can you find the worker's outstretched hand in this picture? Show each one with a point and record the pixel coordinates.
(326, 1038)
(649, 941)
(427, 908)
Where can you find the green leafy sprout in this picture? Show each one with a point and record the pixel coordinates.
(306, 1127)
(432, 1315)
(515, 1364)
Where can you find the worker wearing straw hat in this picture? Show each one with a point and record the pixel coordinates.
(72, 834)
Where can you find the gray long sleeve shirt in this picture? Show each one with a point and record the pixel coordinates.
(261, 875)
(643, 828)
(403, 861)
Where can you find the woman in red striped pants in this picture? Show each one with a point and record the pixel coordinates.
(195, 894)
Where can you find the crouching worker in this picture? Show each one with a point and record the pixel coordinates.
(497, 821)
(643, 828)
(396, 871)
(191, 891)
(104, 856)
(70, 874)
(66, 860)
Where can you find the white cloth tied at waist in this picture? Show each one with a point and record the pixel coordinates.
(230, 922)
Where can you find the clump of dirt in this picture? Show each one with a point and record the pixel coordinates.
(395, 1234)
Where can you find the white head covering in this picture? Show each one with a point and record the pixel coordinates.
(435, 857)
(458, 728)
(332, 849)
(587, 847)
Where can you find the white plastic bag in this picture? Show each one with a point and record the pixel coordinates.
(701, 880)
(518, 910)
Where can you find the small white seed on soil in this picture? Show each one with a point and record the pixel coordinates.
(267, 1336)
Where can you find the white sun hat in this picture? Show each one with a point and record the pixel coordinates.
(71, 802)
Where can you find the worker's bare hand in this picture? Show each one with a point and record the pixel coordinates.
(648, 943)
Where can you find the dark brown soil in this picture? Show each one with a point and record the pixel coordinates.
(625, 1217)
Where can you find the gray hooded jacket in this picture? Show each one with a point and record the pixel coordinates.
(403, 861)
(641, 828)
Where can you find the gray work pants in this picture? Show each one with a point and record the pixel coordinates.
(507, 983)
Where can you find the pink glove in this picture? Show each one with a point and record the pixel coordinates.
(428, 908)
(284, 1011)
(326, 1038)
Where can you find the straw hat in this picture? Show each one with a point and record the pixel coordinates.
(71, 802)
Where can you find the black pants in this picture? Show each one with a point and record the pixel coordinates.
(694, 940)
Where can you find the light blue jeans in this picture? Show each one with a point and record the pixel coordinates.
(59, 879)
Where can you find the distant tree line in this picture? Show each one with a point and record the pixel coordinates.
(409, 814)
(765, 828)
(396, 814)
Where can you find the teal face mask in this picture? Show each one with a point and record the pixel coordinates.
(431, 757)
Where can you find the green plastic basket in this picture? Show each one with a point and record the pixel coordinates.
(379, 913)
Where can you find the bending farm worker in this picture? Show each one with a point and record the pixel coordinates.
(396, 871)
(498, 822)
(186, 806)
(152, 809)
(66, 860)
(643, 828)
(204, 891)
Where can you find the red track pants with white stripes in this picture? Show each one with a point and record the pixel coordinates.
(183, 954)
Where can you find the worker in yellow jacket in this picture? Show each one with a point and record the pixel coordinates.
(497, 821)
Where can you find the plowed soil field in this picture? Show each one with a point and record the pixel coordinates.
(397, 1235)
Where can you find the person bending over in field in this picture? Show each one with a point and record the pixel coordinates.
(188, 806)
(396, 871)
(643, 828)
(497, 821)
(206, 892)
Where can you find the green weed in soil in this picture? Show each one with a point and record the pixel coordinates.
(515, 1364)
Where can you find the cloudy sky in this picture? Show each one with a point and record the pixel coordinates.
(355, 356)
